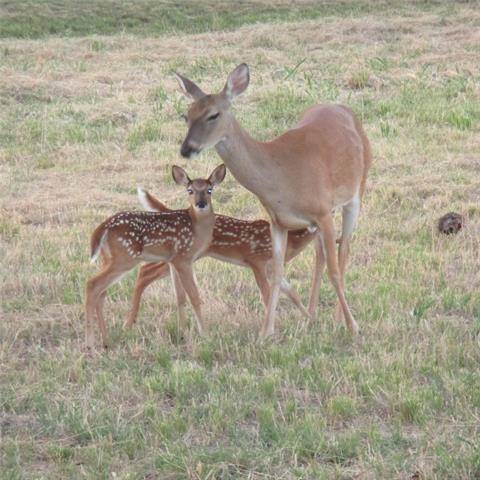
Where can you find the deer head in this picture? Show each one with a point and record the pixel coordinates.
(208, 117)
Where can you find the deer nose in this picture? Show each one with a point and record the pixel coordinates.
(201, 204)
(187, 150)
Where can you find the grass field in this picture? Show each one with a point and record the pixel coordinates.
(89, 109)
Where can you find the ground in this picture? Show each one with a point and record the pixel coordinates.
(90, 110)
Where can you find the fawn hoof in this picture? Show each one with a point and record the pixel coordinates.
(128, 324)
(339, 317)
(89, 344)
(312, 310)
(87, 349)
(266, 333)
(354, 328)
(350, 322)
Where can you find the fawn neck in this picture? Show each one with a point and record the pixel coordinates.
(202, 228)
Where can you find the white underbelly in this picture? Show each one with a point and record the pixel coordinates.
(233, 261)
(344, 197)
(150, 257)
(295, 222)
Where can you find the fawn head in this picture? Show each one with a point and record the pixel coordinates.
(209, 115)
(200, 190)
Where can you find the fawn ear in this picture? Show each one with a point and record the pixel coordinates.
(217, 175)
(237, 82)
(189, 88)
(180, 175)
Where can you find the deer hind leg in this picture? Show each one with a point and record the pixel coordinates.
(99, 312)
(327, 232)
(279, 246)
(95, 294)
(187, 278)
(285, 288)
(294, 297)
(260, 274)
(317, 276)
(180, 296)
(350, 213)
(146, 275)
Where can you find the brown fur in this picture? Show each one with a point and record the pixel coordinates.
(176, 237)
(241, 242)
(299, 177)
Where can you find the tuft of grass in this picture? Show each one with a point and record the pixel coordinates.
(359, 80)
(460, 120)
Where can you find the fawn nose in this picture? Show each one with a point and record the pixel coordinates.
(201, 204)
(187, 150)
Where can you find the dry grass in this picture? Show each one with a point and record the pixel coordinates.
(83, 121)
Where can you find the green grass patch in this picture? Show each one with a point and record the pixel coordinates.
(29, 19)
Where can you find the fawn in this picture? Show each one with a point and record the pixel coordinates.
(240, 242)
(177, 237)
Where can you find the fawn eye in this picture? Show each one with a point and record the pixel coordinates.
(190, 191)
(184, 117)
(209, 191)
(213, 117)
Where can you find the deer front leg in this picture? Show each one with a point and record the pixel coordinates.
(146, 275)
(180, 296)
(279, 246)
(185, 272)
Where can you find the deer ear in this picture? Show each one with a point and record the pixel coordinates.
(237, 82)
(180, 176)
(189, 88)
(217, 175)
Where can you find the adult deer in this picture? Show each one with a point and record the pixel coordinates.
(299, 177)
(177, 237)
(239, 242)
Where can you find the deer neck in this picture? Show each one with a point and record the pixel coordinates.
(244, 155)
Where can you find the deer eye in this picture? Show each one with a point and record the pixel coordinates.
(190, 191)
(213, 117)
(184, 117)
(209, 191)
